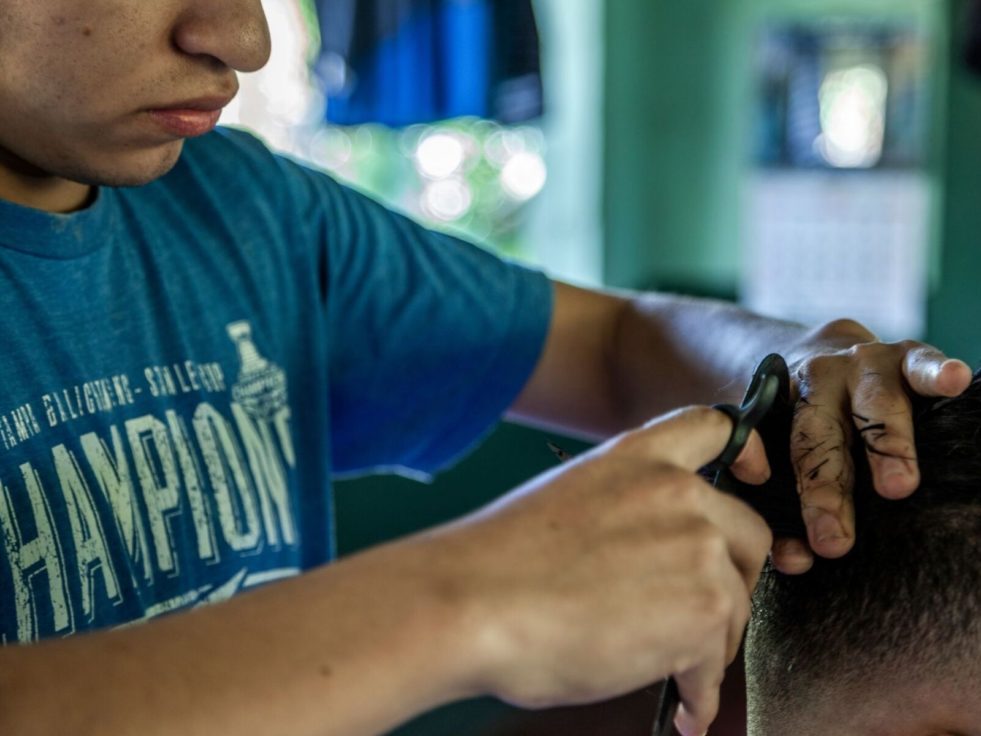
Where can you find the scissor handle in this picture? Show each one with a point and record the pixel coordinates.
(667, 709)
(770, 382)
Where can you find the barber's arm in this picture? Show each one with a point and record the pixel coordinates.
(590, 581)
(614, 359)
(606, 574)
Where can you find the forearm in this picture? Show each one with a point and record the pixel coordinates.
(670, 351)
(613, 360)
(353, 648)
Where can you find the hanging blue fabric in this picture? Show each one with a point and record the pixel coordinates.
(400, 62)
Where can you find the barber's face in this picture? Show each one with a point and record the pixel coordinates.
(80, 81)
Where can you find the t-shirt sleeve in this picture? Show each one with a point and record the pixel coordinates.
(430, 338)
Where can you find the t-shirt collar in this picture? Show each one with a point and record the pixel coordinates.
(60, 236)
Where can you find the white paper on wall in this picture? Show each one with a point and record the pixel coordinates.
(819, 245)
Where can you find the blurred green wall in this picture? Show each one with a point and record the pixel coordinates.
(674, 134)
(955, 306)
(676, 119)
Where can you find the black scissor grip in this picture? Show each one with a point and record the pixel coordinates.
(770, 386)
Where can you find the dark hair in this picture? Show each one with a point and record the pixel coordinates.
(908, 593)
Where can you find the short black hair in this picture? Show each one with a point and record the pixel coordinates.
(908, 595)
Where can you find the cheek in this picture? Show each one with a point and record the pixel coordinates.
(70, 88)
(80, 64)
(99, 77)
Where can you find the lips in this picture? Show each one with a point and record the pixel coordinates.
(186, 123)
(190, 118)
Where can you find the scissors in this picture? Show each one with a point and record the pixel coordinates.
(768, 397)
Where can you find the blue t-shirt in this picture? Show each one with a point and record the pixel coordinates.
(186, 364)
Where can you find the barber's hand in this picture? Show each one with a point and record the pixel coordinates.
(616, 570)
(850, 387)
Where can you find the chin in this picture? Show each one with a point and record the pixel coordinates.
(115, 168)
(134, 170)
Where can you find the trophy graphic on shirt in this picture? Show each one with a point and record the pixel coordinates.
(261, 386)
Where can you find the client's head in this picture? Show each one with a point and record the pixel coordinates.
(887, 640)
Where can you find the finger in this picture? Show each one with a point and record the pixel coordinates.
(883, 416)
(791, 556)
(747, 535)
(751, 466)
(931, 373)
(739, 618)
(693, 437)
(822, 462)
(699, 691)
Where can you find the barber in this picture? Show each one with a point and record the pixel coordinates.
(351, 339)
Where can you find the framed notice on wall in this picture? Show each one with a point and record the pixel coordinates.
(838, 204)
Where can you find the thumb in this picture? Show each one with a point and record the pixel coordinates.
(693, 437)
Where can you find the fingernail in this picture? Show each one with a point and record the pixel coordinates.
(792, 556)
(826, 528)
(791, 547)
(895, 477)
(890, 467)
(685, 730)
(685, 724)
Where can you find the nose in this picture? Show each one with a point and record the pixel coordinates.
(234, 32)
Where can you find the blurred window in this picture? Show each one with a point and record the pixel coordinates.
(469, 176)
(840, 200)
(843, 95)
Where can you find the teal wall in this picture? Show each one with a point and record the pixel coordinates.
(955, 305)
(672, 144)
